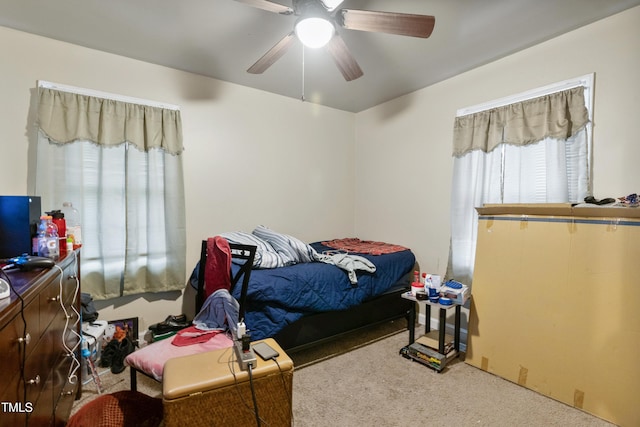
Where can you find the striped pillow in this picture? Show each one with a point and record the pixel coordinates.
(266, 255)
(291, 249)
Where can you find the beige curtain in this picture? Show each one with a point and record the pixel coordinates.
(66, 117)
(558, 115)
(131, 201)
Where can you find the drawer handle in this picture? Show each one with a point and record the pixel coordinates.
(66, 393)
(36, 380)
(72, 277)
(26, 339)
(54, 299)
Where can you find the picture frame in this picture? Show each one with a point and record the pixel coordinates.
(115, 329)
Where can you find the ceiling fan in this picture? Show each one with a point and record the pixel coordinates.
(316, 27)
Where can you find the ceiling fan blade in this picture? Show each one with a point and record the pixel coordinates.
(269, 6)
(403, 24)
(272, 55)
(340, 53)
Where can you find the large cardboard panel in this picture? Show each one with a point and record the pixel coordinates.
(554, 309)
(561, 209)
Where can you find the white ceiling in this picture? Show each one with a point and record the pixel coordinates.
(222, 38)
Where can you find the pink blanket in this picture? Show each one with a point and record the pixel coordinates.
(151, 358)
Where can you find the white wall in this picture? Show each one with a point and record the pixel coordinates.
(404, 163)
(250, 157)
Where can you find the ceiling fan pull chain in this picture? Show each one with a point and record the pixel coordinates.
(302, 98)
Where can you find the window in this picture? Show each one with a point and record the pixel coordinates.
(530, 148)
(119, 162)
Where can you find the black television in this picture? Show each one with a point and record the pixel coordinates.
(19, 217)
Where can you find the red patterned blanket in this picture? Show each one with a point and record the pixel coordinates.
(364, 246)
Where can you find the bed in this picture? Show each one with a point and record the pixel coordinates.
(308, 302)
(300, 304)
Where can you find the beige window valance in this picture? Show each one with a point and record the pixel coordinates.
(557, 115)
(67, 117)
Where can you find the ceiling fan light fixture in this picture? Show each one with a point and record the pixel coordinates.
(314, 32)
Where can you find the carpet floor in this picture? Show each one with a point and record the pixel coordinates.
(361, 379)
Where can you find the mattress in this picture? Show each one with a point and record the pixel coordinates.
(280, 296)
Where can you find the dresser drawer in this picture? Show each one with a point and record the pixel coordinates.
(49, 303)
(63, 331)
(37, 367)
(14, 342)
(42, 394)
(36, 388)
(13, 394)
(65, 389)
(61, 288)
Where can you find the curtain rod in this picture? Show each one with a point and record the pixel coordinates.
(105, 95)
(586, 80)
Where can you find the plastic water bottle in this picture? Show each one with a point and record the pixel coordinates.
(48, 243)
(432, 289)
(72, 218)
(59, 221)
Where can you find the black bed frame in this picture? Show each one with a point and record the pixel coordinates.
(238, 251)
(317, 328)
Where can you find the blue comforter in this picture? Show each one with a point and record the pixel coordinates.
(279, 296)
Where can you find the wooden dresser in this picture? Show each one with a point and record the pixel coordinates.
(40, 375)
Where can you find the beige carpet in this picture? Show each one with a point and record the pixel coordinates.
(362, 380)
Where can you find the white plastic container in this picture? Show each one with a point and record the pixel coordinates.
(432, 287)
(93, 336)
(434, 280)
(72, 218)
(416, 287)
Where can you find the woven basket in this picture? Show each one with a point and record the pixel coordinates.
(120, 409)
(233, 405)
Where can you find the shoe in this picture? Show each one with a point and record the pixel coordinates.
(592, 200)
(180, 318)
(107, 355)
(122, 350)
(170, 324)
(606, 201)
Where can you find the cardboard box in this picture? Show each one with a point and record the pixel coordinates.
(457, 296)
(555, 305)
(560, 209)
(431, 340)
